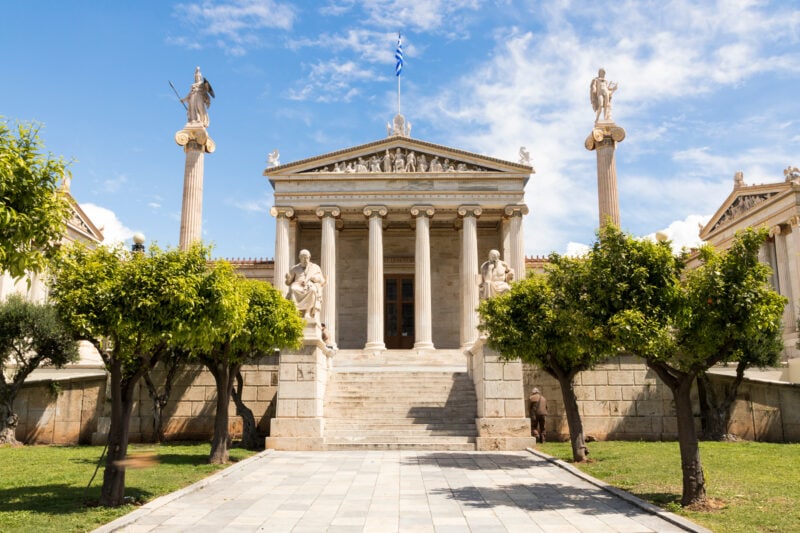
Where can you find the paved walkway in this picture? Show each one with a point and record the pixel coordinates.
(386, 491)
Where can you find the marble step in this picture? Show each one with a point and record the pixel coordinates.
(421, 446)
(395, 432)
(404, 439)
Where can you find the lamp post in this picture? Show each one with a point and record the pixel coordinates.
(138, 242)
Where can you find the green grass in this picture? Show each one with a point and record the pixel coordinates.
(755, 485)
(42, 488)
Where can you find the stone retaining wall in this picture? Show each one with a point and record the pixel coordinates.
(189, 415)
(59, 410)
(763, 410)
(620, 399)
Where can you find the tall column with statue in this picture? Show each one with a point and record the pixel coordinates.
(196, 143)
(603, 139)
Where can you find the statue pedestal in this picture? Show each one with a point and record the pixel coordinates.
(502, 421)
(303, 374)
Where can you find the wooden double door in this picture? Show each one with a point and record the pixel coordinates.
(398, 324)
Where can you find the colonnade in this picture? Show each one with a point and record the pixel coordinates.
(513, 251)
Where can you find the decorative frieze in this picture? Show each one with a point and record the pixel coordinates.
(399, 160)
(741, 205)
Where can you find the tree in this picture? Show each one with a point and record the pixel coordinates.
(260, 320)
(170, 363)
(541, 320)
(31, 335)
(33, 209)
(133, 307)
(723, 311)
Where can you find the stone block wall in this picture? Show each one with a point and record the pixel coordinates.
(59, 411)
(763, 410)
(619, 399)
(189, 414)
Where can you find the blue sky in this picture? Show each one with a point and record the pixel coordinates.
(705, 89)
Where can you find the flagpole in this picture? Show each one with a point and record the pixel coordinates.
(398, 95)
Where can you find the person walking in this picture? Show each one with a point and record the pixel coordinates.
(538, 412)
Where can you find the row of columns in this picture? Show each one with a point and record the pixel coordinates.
(513, 249)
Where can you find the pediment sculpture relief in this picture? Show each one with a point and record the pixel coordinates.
(399, 160)
(741, 205)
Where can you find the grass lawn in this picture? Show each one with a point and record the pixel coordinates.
(42, 487)
(756, 486)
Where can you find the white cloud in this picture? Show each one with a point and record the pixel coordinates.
(331, 81)
(232, 25)
(415, 15)
(113, 229)
(533, 91)
(576, 249)
(684, 233)
(115, 184)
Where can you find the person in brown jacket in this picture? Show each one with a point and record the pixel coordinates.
(538, 412)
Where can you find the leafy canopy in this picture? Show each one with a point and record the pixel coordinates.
(33, 209)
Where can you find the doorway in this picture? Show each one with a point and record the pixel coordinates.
(399, 311)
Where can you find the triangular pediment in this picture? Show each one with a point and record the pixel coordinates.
(397, 155)
(80, 227)
(741, 201)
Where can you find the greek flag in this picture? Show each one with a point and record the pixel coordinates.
(398, 54)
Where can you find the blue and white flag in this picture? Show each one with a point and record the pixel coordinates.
(398, 54)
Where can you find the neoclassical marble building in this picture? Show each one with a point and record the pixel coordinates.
(399, 227)
(776, 206)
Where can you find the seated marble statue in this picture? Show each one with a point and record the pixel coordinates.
(495, 276)
(305, 281)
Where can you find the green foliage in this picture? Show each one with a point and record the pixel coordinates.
(540, 320)
(33, 209)
(722, 311)
(31, 335)
(732, 313)
(132, 304)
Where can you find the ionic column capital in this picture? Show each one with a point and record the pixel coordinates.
(775, 230)
(328, 211)
(281, 211)
(195, 138)
(469, 210)
(516, 210)
(375, 210)
(422, 210)
(793, 221)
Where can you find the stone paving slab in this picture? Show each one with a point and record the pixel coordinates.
(384, 491)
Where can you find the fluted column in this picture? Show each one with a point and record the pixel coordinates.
(196, 143)
(423, 331)
(469, 274)
(604, 139)
(375, 215)
(516, 238)
(328, 214)
(282, 253)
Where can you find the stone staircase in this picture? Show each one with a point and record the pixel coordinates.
(400, 400)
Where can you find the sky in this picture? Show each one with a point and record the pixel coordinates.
(706, 89)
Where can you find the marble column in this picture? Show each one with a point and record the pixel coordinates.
(469, 273)
(196, 143)
(779, 233)
(329, 214)
(423, 330)
(516, 238)
(604, 139)
(375, 214)
(282, 253)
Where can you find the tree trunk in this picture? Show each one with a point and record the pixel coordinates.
(220, 442)
(160, 400)
(574, 422)
(715, 414)
(694, 484)
(113, 492)
(250, 439)
(680, 383)
(8, 423)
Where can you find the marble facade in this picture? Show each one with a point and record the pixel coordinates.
(399, 209)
